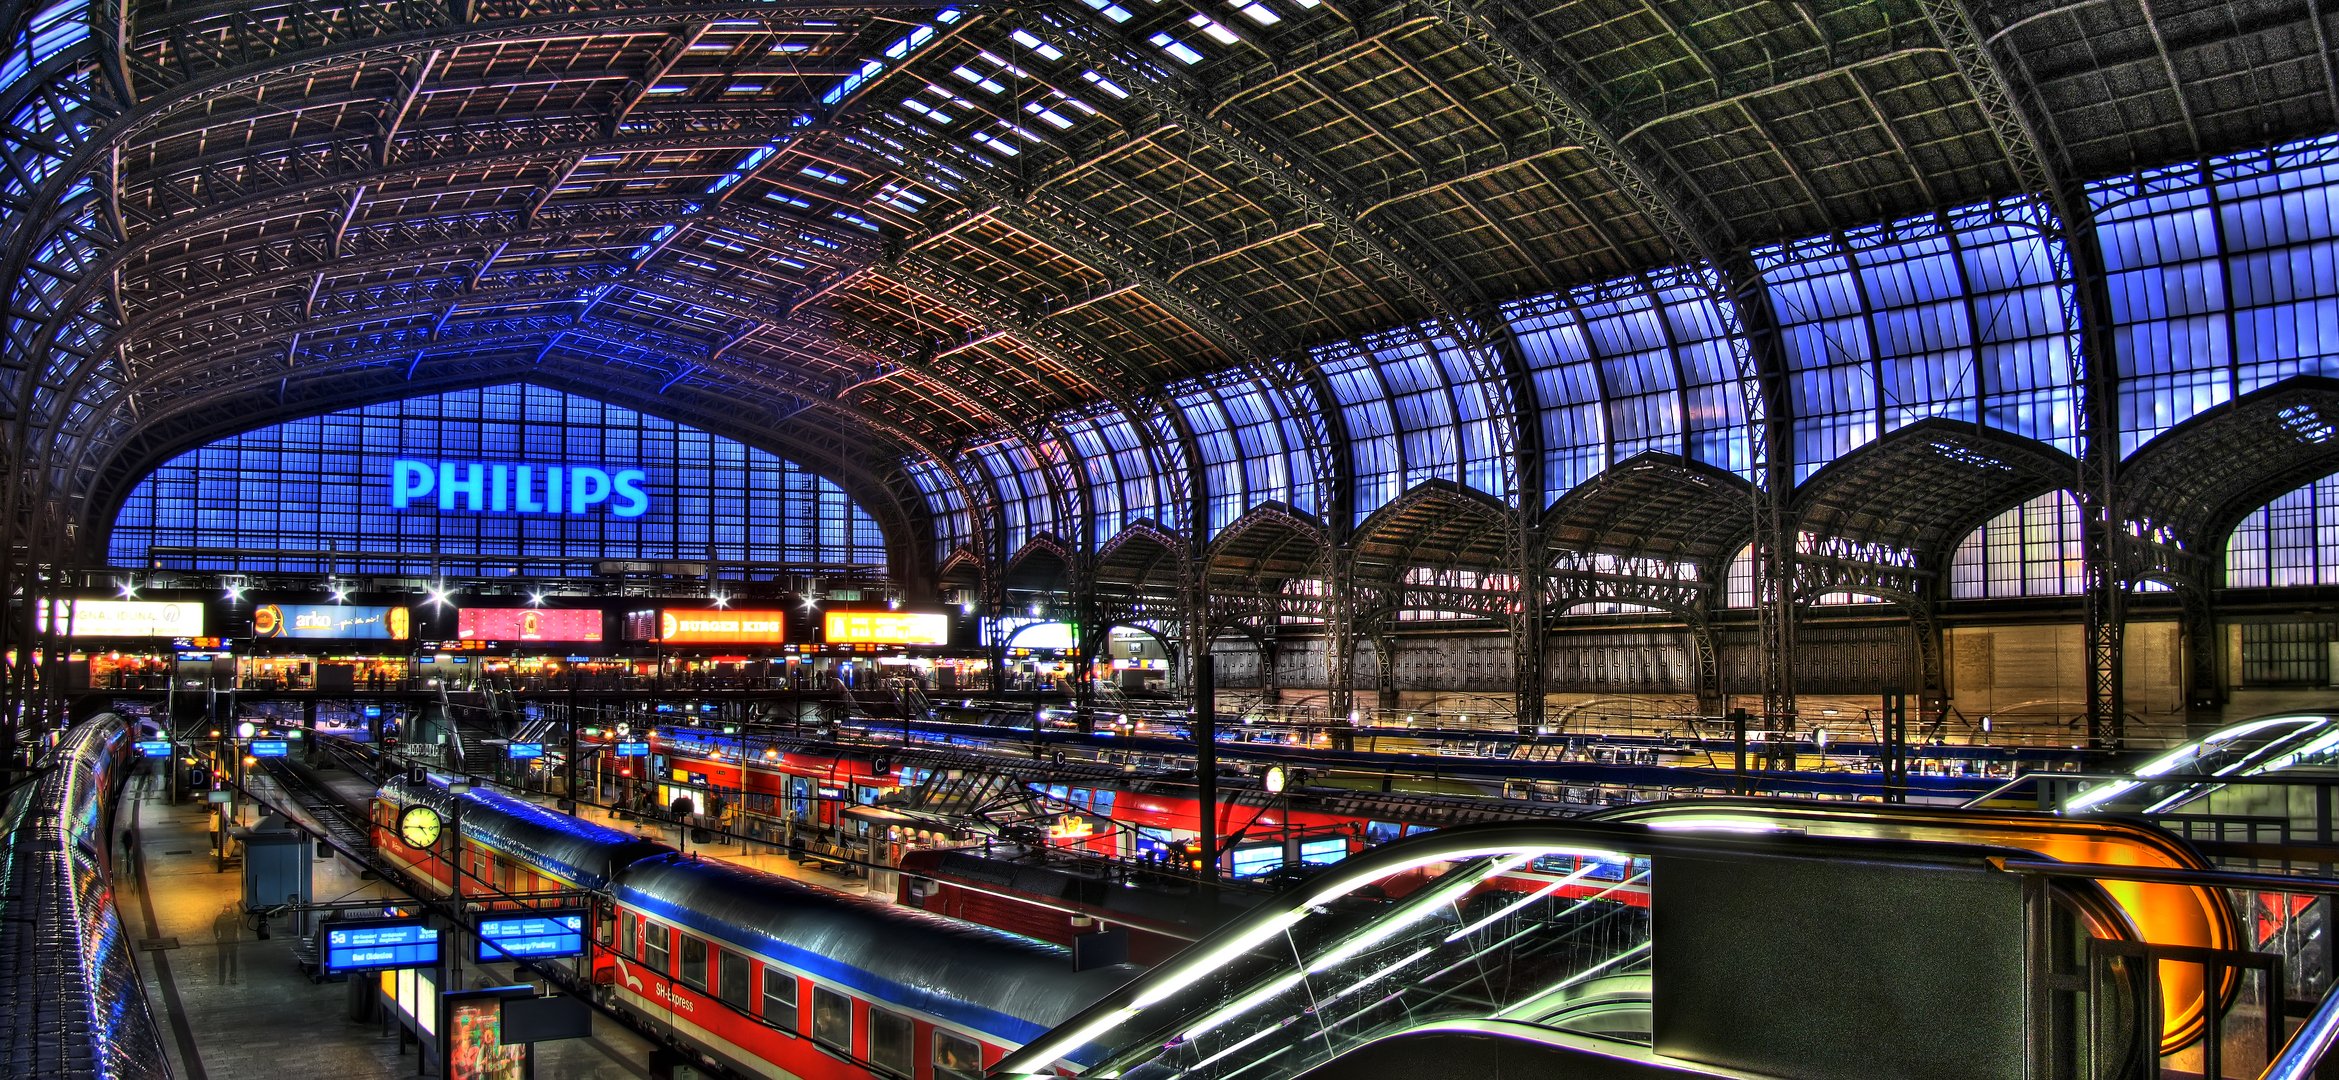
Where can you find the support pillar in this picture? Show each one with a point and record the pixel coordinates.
(1385, 670)
(1709, 668)
(1340, 643)
(2204, 687)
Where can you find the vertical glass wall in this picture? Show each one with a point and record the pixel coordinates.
(334, 483)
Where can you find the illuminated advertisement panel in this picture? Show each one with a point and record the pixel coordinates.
(722, 627)
(527, 624)
(475, 1048)
(332, 621)
(130, 618)
(886, 628)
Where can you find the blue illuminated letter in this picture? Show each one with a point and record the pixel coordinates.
(526, 503)
(552, 490)
(587, 486)
(632, 500)
(473, 486)
(408, 478)
(495, 494)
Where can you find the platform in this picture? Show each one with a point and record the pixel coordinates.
(237, 1007)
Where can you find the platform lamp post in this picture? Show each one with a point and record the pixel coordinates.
(244, 733)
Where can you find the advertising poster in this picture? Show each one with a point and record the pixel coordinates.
(129, 618)
(527, 624)
(473, 1027)
(886, 628)
(332, 621)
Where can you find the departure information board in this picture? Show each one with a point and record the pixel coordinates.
(373, 946)
(532, 937)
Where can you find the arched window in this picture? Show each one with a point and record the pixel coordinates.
(2293, 540)
(2034, 549)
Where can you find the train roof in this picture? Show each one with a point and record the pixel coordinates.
(989, 980)
(552, 842)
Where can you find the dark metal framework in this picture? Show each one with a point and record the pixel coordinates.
(892, 236)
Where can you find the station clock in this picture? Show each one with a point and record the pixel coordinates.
(419, 826)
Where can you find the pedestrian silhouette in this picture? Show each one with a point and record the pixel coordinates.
(227, 932)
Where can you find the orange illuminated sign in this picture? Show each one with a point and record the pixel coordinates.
(722, 627)
(887, 628)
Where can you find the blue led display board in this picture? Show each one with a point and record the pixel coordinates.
(633, 749)
(521, 751)
(155, 747)
(372, 946)
(491, 481)
(532, 937)
(268, 748)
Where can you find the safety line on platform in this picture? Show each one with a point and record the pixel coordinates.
(162, 965)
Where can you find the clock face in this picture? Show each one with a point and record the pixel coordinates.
(419, 826)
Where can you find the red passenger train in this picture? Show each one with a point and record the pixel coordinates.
(759, 974)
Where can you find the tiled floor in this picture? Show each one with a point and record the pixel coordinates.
(237, 1007)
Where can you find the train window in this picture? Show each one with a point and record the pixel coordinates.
(1104, 802)
(654, 951)
(731, 979)
(694, 962)
(1381, 832)
(957, 1057)
(626, 936)
(601, 928)
(779, 999)
(892, 1043)
(832, 1018)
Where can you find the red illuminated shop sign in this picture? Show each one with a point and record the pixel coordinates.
(527, 624)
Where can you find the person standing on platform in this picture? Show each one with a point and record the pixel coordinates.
(227, 933)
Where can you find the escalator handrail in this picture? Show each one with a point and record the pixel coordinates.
(2310, 1045)
(1107, 1017)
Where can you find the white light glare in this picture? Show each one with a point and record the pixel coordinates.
(535, 599)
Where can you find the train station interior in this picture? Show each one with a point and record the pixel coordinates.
(1163, 539)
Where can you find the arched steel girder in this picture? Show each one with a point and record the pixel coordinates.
(80, 292)
(2018, 121)
(1418, 277)
(1065, 480)
(536, 336)
(1323, 199)
(155, 198)
(1072, 351)
(1069, 227)
(296, 256)
(302, 273)
(1679, 213)
(219, 64)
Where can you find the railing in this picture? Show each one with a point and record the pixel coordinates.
(2309, 1048)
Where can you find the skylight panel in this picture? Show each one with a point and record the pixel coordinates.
(1184, 53)
(1048, 114)
(978, 78)
(1256, 12)
(1109, 10)
(1217, 30)
(1031, 41)
(1111, 87)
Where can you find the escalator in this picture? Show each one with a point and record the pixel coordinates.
(1487, 932)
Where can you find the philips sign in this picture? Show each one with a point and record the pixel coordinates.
(518, 489)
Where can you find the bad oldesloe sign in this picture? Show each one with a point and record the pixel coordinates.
(497, 488)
